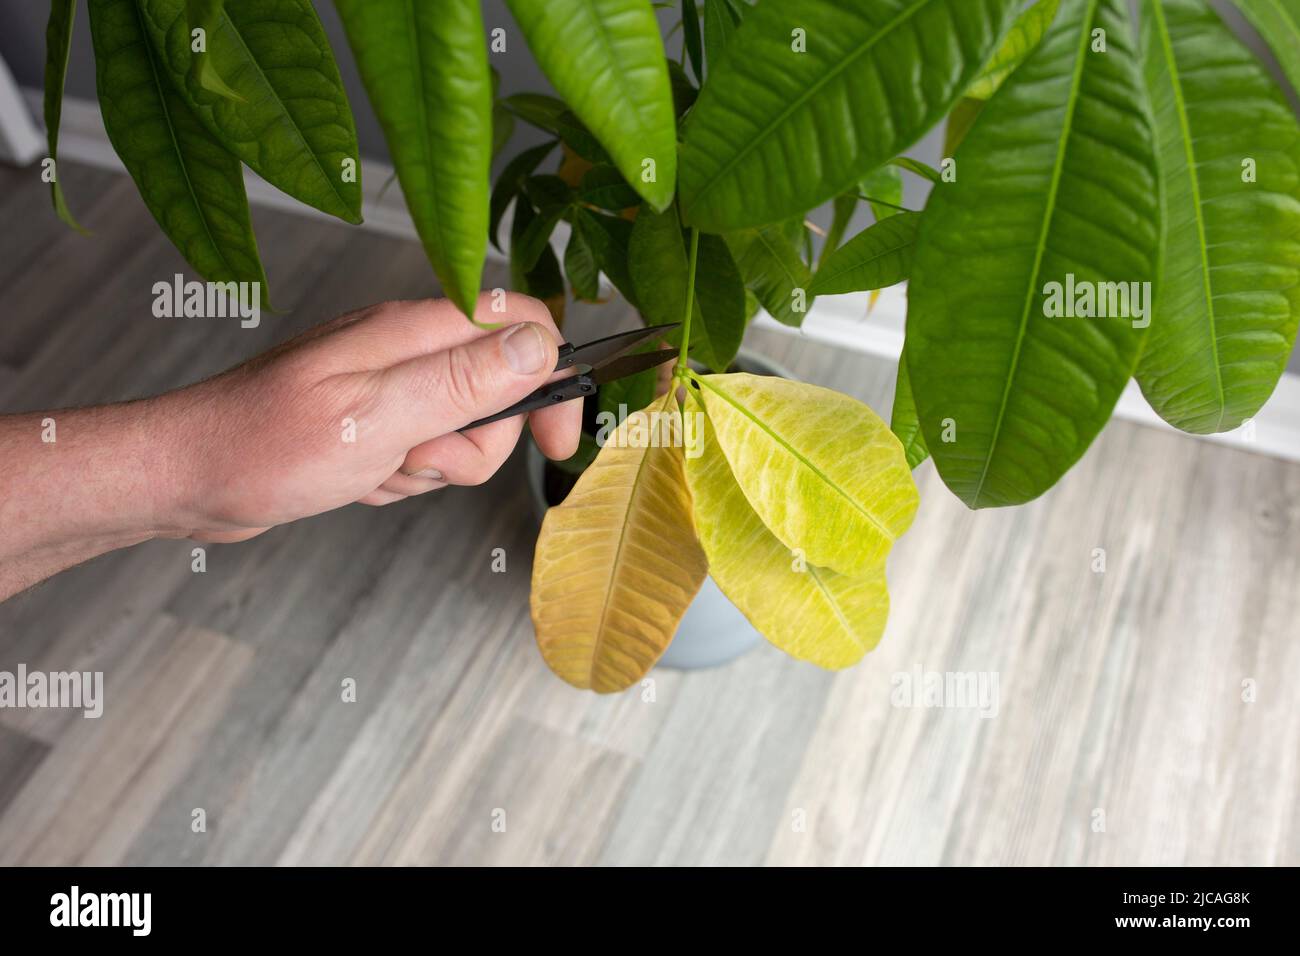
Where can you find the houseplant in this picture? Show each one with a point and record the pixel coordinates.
(1116, 203)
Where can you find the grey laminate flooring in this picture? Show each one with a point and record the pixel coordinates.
(1121, 735)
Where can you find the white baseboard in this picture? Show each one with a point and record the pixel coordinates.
(842, 321)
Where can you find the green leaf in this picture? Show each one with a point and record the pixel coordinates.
(542, 277)
(916, 166)
(426, 71)
(291, 123)
(903, 422)
(204, 15)
(658, 265)
(611, 238)
(58, 41)
(876, 258)
(774, 272)
(821, 470)
(685, 92)
(1058, 179)
(811, 613)
(776, 132)
(507, 187)
(720, 23)
(581, 268)
(843, 209)
(1278, 22)
(1026, 33)
(191, 185)
(659, 269)
(691, 38)
(1228, 293)
(605, 188)
(718, 322)
(539, 109)
(606, 59)
(885, 183)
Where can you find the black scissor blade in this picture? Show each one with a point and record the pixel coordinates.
(631, 364)
(597, 353)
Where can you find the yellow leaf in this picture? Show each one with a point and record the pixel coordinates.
(820, 469)
(617, 564)
(811, 613)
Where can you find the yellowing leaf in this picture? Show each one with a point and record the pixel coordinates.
(820, 469)
(811, 613)
(617, 564)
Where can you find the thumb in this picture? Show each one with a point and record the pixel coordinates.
(437, 393)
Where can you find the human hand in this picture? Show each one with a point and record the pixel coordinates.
(361, 409)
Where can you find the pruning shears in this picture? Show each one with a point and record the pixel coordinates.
(596, 363)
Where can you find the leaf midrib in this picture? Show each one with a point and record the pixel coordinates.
(618, 560)
(1194, 181)
(1040, 249)
(807, 95)
(171, 132)
(762, 426)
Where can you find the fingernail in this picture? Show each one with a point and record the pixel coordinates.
(433, 473)
(524, 349)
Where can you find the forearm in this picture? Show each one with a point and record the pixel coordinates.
(79, 482)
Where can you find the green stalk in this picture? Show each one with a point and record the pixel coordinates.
(681, 367)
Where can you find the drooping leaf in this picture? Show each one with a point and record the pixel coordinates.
(617, 563)
(1228, 294)
(191, 185)
(58, 41)
(1278, 22)
(903, 421)
(774, 271)
(811, 613)
(879, 256)
(291, 122)
(581, 268)
(822, 471)
(1026, 393)
(883, 188)
(507, 186)
(426, 72)
(691, 38)
(777, 131)
(503, 121)
(1026, 33)
(606, 59)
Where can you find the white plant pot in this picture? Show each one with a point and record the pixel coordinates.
(712, 631)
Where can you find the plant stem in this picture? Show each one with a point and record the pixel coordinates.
(681, 367)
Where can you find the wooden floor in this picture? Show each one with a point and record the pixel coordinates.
(1120, 737)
